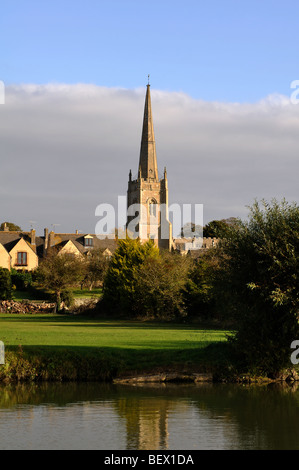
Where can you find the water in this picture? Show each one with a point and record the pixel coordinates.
(157, 417)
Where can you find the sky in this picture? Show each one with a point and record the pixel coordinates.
(226, 117)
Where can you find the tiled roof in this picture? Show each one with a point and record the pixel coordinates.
(78, 239)
(9, 239)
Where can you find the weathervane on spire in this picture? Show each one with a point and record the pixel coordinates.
(148, 76)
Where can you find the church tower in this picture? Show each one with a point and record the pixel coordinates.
(147, 195)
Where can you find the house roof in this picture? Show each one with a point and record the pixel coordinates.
(9, 239)
(60, 239)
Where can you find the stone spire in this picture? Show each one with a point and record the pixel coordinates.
(148, 167)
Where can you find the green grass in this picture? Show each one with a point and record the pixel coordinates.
(85, 293)
(19, 295)
(125, 345)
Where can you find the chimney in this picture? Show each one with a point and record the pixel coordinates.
(51, 239)
(32, 233)
(6, 229)
(46, 233)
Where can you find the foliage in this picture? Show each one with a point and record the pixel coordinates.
(67, 297)
(5, 284)
(191, 230)
(260, 265)
(160, 286)
(21, 279)
(11, 227)
(123, 271)
(96, 267)
(220, 228)
(60, 271)
(201, 288)
(141, 281)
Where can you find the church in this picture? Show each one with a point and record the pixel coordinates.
(147, 195)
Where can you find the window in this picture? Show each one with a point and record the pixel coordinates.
(152, 208)
(88, 242)
(22, 258)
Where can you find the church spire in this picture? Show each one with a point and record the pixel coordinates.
(148, 159)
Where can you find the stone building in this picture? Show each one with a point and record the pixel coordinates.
(77, 243)
(147, 195)
(19, 250)
(22, 250)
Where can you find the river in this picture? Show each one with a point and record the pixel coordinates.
(85, 416)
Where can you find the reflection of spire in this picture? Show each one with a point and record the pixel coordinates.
(147, 427)
(148, 158)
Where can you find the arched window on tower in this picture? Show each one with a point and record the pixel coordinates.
(152, 208)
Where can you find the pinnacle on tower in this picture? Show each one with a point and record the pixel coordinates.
(148, 159)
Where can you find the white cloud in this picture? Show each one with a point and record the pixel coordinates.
(67, 148)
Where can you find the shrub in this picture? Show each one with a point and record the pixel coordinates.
(21, 279)
(67, 297)
(5, 284)
(123, 272)
(260, 265)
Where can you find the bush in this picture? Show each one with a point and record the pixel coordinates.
(122, 275)
(201, 293)
(21, 279)
(161, 285)
(141, 281)
(260, 265)
(5, 284)
(67, 297)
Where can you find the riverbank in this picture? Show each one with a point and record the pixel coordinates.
(73, 347)
(48, 347)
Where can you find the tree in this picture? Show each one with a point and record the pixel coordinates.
(96, 265)
(11, 227)
(201, 293)
(142, 281)
(260, 265)
(60, 271)
(219, 228)
(122, 275)
(22, 280)
(160, 286)
(5, 284)
(190, 230)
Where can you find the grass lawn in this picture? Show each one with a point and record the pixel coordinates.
(85, 293)
(19, 295)
(136, 346)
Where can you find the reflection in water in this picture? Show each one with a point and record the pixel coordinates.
(157, 417)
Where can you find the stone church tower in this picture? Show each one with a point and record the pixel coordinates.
(147, 195)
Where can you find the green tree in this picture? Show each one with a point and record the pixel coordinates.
(5, 284)
(11, 227)
(123, 272)
(22, 280)
(260, 265)
(161, 284)
(96, 265)
(220, 228)
(201, 292)
(59, 272)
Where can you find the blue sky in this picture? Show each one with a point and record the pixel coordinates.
(225, 50)
(75, 74)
